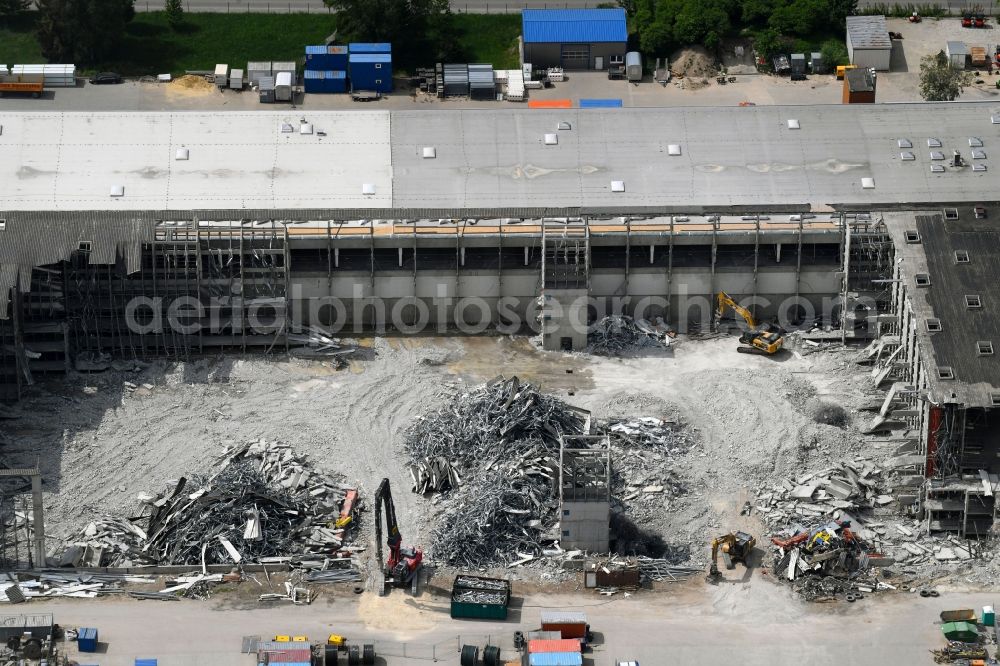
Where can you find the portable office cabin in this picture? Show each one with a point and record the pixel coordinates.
(868, 43)
(573, 38)
(369, 47)
(317, 82)
(371, 71)
(326, 58)
(257, 71)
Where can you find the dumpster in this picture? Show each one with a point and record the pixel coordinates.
(966, 632)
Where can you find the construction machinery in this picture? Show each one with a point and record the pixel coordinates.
(765, 339)
(402, 567)
(735, 547)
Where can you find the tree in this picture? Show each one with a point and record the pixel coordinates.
(767, 43)
(82, 31)
(11, 8)
(175, 12)
(834, 53)
(800, 17)
(939, 82)
(420, 30)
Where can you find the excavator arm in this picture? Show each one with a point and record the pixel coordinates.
(383, 500)
(724, 301)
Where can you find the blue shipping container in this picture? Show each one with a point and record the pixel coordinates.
(555, 659)
(318, 83)
(364, 47)
(371, 71)
(326, 58)
(86, 639)
(145, 662)
(600, 104)
(289, 663)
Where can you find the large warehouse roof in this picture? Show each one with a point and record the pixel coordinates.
(869, 156)
(566, 26)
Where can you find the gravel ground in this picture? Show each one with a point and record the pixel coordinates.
(100, 444)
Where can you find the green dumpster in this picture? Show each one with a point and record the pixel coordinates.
(966, 632)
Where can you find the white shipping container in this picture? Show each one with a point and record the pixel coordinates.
(53, 76)
(236, 79)
(257, 71)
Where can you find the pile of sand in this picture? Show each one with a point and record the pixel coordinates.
(190, 85)
(693, 62)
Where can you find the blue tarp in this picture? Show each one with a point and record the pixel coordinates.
(600, 104)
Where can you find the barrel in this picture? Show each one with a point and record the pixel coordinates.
(470, 655)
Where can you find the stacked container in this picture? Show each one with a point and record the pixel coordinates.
(562, 652)
(481, 82)
(326, 58)
(53, 76)
(257, 71)
(371, 71)
(318, 82)
(363, 47)
(326, 69)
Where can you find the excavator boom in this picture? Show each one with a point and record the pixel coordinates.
(402, 565)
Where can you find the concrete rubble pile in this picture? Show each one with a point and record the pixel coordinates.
(843, 487)
(495, 451)
(16, 587)
(643, 450)
(315, 343)
(263, 504)
(616, 334)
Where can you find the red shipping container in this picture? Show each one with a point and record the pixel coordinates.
(561, 645)
(288, 656)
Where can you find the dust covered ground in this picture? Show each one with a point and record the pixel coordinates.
(103, 438)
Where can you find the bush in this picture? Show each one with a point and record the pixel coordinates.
(834, 53)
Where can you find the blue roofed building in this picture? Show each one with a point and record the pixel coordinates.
(573, 38)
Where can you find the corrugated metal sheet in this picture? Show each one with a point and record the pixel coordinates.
(555, 659)
(564, 26)
(563, 617)
(868, 32)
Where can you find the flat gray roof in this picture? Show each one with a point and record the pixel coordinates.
(615, 159)
(868, 32)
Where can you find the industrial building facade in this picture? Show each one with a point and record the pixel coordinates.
(573, 38)
(168, 235)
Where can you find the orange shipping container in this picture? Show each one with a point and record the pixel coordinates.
(561, 645)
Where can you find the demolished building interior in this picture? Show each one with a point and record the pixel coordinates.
(910, 279)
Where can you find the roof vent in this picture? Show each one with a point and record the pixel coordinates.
(979, 154)
(922, 279)
(945, 372)
(793, 123)
(933, 143)
(984, 347)
(430, 152)
(306, 128)
(564, 126)
(975, 142)
(961, 257)
(979, 167)
(551, 139)
(995, 398)
(618, 186)
(904, 143)
(979, 212)
(937, 155)
(973, 301)
(673, 149)
(286, 128)
(868, 183)
(951, 213)
(368, 188)
(995, 120)
(937, 168)
(933, 324)
(907, 156)
(117, 190)
(182, 154)
(912, 236)
(3, 224)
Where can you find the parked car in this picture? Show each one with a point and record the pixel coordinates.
(105, 77)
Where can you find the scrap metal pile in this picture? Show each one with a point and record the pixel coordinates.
(263, 502)
(496, 449)
(476, 590)
(615, 334)
(826, 560)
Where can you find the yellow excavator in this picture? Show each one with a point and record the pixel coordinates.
(735, 547)
(763, 339)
